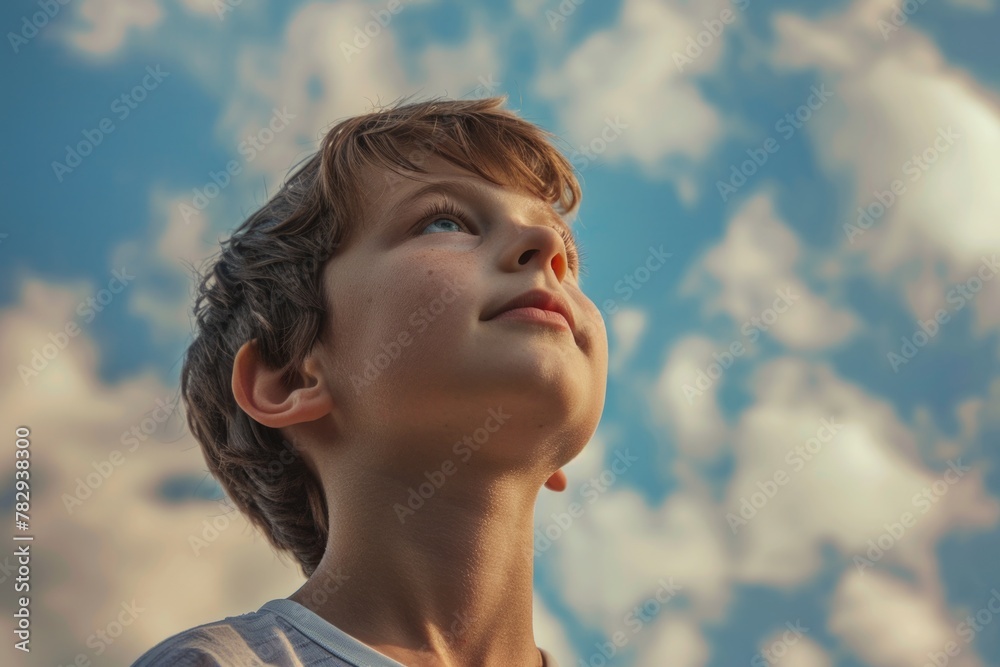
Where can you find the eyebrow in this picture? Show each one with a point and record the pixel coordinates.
(464, 187)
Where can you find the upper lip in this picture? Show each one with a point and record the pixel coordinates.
(538, 298)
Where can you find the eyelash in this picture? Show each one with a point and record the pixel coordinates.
(447, 208)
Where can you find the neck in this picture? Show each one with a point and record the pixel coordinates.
(448, 583)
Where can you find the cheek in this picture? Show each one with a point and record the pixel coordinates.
(597, 339)
(410, 299)
(425, 282)
(598, 328)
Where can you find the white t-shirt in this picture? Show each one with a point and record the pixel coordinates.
(282, 633)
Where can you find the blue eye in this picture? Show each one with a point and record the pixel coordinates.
(446, 220)
(444, 212)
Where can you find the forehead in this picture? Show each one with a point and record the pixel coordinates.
(391, 194)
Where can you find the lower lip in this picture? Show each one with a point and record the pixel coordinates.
(536, 315)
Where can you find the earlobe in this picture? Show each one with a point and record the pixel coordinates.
(556, 481)
(267, 398)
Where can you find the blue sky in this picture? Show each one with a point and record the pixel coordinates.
(808, 111)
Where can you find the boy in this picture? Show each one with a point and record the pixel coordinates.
(428, 379)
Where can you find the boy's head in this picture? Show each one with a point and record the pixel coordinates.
(347, 334)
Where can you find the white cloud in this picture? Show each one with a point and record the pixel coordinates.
(206, 8)
(530, 9)
(635, 546)
(319, 74)
(180, 243)
(474, 65)
(841, 490)
(803, 653)
(611, 75)
(888, 623)
(549, 634)
(678, 642)
(109, 21)
(627, 325)
(754, 265)
(696, 422)
(898, 97)
(309, 75)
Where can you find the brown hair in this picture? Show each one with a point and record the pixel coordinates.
(265, 285)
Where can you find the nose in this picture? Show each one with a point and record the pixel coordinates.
(542, 245)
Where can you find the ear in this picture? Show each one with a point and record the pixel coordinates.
(262, 394)
(556, 481)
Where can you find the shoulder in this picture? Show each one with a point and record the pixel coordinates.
(176, 656)
(235, 640)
